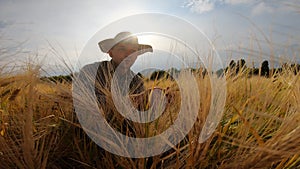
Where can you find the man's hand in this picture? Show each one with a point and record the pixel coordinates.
(142, 100)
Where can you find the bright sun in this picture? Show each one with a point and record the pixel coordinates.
(146, 39)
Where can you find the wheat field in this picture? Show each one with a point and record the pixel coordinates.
(259, 127)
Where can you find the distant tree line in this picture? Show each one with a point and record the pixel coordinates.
(235, 68)
(160, 74)
(59, 78)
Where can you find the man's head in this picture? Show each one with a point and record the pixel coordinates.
(123, 45)
(121, 51)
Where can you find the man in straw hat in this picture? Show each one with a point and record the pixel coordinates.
(123, 49)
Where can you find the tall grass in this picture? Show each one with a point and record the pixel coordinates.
(260, 127)
(32, 132)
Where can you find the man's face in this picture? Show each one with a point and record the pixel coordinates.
(123, 50)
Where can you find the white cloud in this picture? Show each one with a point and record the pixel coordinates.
(200, 6)
(235, 2)
(262, 8)
(258, 7)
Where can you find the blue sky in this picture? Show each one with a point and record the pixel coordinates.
(67, 26)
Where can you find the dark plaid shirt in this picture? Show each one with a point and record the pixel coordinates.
(97, 78)
(105, 73)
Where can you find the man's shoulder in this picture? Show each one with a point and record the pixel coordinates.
(94, 65)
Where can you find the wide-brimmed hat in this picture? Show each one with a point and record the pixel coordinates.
(127, 37)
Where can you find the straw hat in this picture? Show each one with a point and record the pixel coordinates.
(127, 37)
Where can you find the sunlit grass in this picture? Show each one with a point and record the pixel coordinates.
(260, 127)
